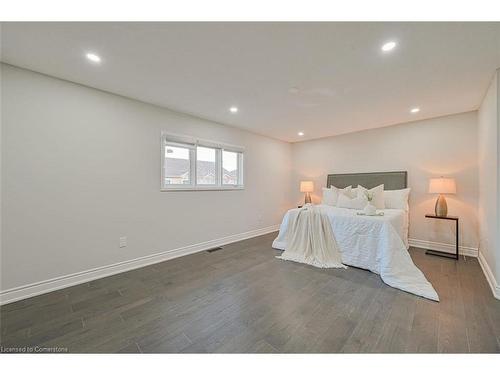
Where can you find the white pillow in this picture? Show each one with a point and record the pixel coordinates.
(347, 190)
(397, 199)
(357, 203)
(378, 195)
(330, 196)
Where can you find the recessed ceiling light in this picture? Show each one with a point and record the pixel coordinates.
(415, 110)
(389, 46)
(300, 134)
(233, 109)
(93, 57)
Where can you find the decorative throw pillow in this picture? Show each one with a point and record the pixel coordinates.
(349, 191)
(330, 196)
(378, 195)
(357, 203)
(397, 199)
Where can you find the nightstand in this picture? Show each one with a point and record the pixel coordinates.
(441, 253)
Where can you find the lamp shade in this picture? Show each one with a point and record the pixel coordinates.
(306, 186)
(442, 186)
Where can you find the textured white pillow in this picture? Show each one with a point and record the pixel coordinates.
(397, 199)
(330, 196)
(378, 195)
(347, 190)
(357, 203)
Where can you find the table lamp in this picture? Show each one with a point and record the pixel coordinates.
(307, 187)
(442, 186)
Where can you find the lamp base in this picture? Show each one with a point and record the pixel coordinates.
(441, 208)
(307, 198)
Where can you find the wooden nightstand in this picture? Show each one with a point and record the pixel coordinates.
(441, 253)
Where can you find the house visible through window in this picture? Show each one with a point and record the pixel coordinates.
(177, 165)
(206, 169)
(190, 164)
(230, 168)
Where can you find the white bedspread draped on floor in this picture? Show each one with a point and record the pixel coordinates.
(310, 239)
(375, 243)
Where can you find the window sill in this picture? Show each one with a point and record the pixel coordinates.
(203, 188)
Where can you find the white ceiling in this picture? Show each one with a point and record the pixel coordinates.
(346, 82)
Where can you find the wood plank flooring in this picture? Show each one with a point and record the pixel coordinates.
(242, 299)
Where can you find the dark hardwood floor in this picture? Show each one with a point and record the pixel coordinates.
(242, 299)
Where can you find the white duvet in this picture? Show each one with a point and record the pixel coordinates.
(375, 243)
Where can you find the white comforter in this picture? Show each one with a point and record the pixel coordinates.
(375, 243)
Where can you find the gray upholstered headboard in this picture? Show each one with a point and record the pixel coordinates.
(391, 180)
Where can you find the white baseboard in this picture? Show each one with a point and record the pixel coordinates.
(495, 287)
(445, 247)
(42, 287)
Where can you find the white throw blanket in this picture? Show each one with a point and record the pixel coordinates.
(310, 239)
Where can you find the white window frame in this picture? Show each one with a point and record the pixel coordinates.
(192, 165)
(177, 140)
(240, 167)
(218, 170)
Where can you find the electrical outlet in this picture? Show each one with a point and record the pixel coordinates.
(123, 241)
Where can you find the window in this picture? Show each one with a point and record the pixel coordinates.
(193, 164)
(231, 167)
(177, 165)
(206, 168)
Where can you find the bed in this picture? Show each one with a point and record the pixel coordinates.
(376, 243)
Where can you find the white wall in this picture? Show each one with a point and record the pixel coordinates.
(81, 168)
(441, 146)
(489, 184)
